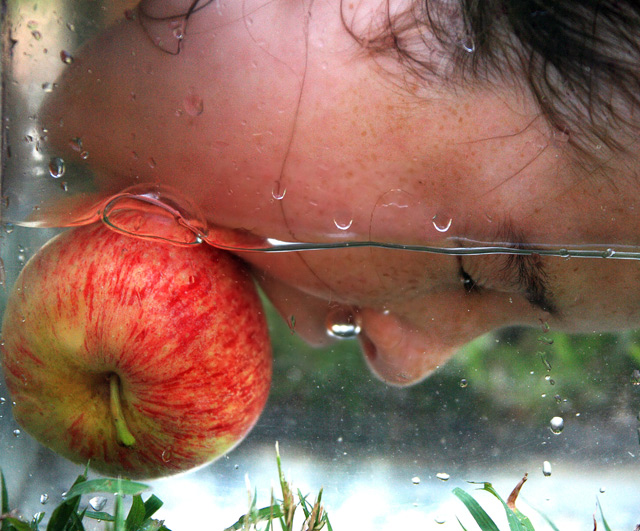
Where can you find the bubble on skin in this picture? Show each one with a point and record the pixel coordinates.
(343, 220)
(193, 104)
(66, 57)
(342, 324)
(441, 224)
(278, 191)
(56, 167)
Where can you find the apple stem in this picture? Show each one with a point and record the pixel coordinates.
(122, 431)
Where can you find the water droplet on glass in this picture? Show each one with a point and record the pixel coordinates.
(342, 324)
(193, 104)
(66, 57)
(557, 425)
(546, 469)
(463, 383)
(56, 167)
(16, 433)
(415, 480)
(441, 224)
(343, 220)
(97, 503)
(278, 191)
(443, 476)
(44, 498)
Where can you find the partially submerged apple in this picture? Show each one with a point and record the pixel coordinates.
(145, 358)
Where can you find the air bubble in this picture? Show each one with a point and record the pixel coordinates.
(546, 469)
(463, 383)
(556, 424)
(44, 498)
(56, 167)
(166, 455)
(609, 253)
(278, 191)
(635, 377)
(97, 503)
(343, 220)
(66, 57)
(415, 480)
(443, 476)
(342, 324)
(441, 224)
(17, 433)
(193, 104)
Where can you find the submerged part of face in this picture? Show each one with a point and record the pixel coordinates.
(273, 121)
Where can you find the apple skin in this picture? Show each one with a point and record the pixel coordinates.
(182, 327)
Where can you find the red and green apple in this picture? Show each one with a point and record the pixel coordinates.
(144, 358)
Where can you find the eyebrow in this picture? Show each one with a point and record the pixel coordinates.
(532, 278)
(529, 270)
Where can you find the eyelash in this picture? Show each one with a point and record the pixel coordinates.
(469, 285)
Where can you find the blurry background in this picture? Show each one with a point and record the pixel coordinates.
(388, 458)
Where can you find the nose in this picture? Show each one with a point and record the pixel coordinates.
(403, 344)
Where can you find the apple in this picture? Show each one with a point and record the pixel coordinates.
(144, 358)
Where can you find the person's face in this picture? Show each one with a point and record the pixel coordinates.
(275, 121)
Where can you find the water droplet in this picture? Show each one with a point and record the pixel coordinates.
(415, 480)
(278, 191)
(166, 455)
(44, 498)
(441, 224)
(193, 104)
(545, 361)
(343, 220)
(547, 340)
(76, 144)
(2, 400)
(443, 476)
(557, 425)
(564, 253)
(56, 167)
(16, 433)
(66, 57)
(602, 490)
(178, 33)
(546, 469)
(438, 519)
(97, 503)
(609, 253)
(342, 324)
(36, 35)
(84, 155)
(463, 383)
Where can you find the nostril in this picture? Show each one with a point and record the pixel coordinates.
(368, 348)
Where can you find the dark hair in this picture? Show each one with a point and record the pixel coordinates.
(580, 59)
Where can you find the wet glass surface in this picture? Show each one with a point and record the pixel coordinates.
(561, 407)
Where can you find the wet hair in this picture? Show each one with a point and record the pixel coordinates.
(580, 59)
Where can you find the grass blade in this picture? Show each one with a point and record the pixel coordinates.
(266, 513)
(62, 514)
(604, 521)
(152, 505)
(479, 514)
(110, 486)
(136, 514)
